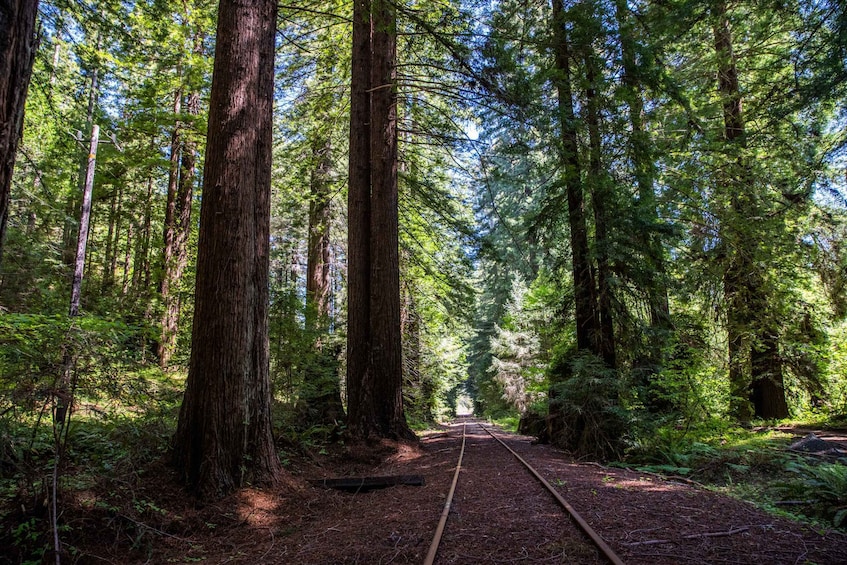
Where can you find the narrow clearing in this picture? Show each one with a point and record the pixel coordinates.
(500, 514)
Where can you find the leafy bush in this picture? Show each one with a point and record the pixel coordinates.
(586, 413)
(35, 350)
(824, 486)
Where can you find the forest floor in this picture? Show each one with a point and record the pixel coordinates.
(499, 514)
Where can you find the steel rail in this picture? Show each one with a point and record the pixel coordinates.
(595, 537)
(436, 540)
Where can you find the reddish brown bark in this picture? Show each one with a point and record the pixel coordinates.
(17, 53)
(177, 226)
(386, 349)
(223, 437)
(359, 224)
(375, 404)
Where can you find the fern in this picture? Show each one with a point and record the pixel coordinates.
(825, 484)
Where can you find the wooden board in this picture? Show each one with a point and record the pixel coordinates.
(363, 484)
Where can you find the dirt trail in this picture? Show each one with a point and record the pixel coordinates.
(500, 515)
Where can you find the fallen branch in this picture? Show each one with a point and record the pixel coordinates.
(731, 532)
(719, 534)
(152, 529)
(648, 542)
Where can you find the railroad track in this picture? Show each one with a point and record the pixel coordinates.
(479, 432)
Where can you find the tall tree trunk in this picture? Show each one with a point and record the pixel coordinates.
(177, 226)
(113, 265)
(169, 226)
(377, 407)
(601, 198)
(318, 259)
(70, 231)
(141, 259)
(84, 223)
(587, 325)
(18, 44)
(223, 437)
(322, 395)
(130, 233)
(359, 394)
(386, 347)
(755, 369)
(108, 259)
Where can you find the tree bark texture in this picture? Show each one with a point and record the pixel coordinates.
(359, 385)
(177, 226)
(375, 407)
(84, 222)
(386, 348)
(223, 437)
(18, 43)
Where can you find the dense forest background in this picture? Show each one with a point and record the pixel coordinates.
(619, 221)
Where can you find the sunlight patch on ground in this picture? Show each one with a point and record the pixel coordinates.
(646, 484)
(257, 508)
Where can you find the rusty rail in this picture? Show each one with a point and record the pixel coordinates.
(589, 531)
(436, 540)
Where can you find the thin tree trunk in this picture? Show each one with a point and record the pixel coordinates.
(84, 223)
(108, 259)
(322, 395)
(130, 233)
(117, 235)
(18, 43)
(177, 227)
(70, 231)
(318, 259)
(223, 437)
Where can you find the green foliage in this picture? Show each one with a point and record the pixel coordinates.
(35, 349)
(588, 416)
(823, 485)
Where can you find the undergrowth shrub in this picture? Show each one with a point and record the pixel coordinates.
(120, 414)
(823, 487)
(586, 415)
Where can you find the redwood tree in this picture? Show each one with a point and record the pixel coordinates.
(374, 365)
(17, 53)
(223, 438)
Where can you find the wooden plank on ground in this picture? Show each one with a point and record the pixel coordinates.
(361, 484)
